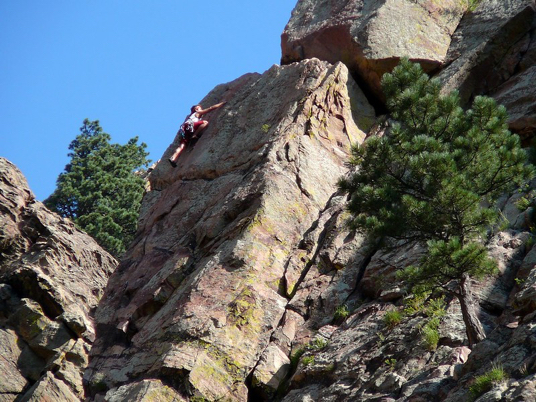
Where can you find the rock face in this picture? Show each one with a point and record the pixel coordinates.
(51, 278)
(371, 36)
(493, 53)
(485, 50)
(244, 283)
(196, 300)
(488, 46)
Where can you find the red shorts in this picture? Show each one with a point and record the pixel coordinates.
(188, 135)
(198, 123)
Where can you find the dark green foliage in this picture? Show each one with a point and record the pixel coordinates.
(485, 382)
(434, 176)
(99, 189)
(392, 318)
(341, 313)
(295, 357)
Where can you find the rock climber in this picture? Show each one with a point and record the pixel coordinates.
(191, 128)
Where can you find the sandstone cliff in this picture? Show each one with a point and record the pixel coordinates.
(475, 47)
(224, 243)
(235, 285)
(245, 284)
(51, 278)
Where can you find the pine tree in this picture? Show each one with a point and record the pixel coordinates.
(99, 189)
(433, 179)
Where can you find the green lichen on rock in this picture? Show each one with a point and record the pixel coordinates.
(98, 383)
(215, 374)
(242, 309)
(30, 319)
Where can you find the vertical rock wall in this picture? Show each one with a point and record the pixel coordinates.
(194, 304)
(244, 283)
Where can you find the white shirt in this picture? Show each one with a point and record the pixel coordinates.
(194, 118)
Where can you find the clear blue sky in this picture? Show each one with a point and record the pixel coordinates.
(136, 66)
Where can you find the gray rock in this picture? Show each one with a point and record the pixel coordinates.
(226, 221)
(144, 391)
(371, 36)
(271, 371)
(13, 382)
(478, 58)
(48, 388)
(48, 269)
(516, 95)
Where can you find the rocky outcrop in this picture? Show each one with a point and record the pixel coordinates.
(474, 47)
(51, 278)
(196, 300)
(244, 282)
(365, 357)
(370, 37)
(488, 46)
(517, 93)
(492, 52)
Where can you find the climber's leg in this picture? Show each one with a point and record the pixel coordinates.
(173, 159)
(199, 126)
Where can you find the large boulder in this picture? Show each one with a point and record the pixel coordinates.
(51, 278)
(370, 37)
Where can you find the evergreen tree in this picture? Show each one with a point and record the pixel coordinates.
(100, 190)
(433, 179)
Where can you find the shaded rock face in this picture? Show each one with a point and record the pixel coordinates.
(517, 93)
(492, 52)
(196, 300)
(51, 278)
(488, 46)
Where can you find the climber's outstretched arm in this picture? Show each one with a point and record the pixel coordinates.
(209, 109)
